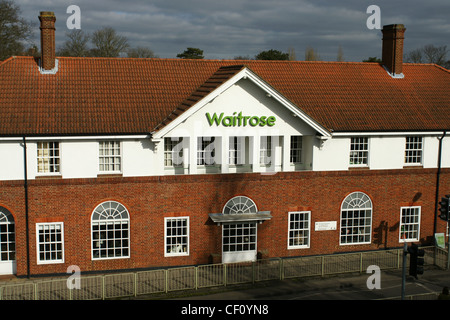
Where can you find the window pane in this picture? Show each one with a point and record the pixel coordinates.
(109, 156)
(409, 224)
(50, 242)
(356, 219)
(110, 230)
(413, 150)
(48, 157)
(359, 151)
(298, 233)
(177, 236)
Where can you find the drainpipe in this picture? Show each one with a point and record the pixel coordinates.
(26, 203)
(436, 204)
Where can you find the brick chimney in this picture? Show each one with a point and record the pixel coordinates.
(47, 19)
(392, 55)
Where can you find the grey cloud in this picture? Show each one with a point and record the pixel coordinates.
(224, 29)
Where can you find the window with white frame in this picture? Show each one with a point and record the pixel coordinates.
(409, 224)
(173, 152)
(206, 151)
(7, 236)
(110, 229)
(296, 149)
(109, 156)
(299, 229)
(359, 151)
(48, 157)
(356, 219)
(240, 205)
(176, 236)
(265, 150)
(413, 150)
(239, 237)
(50, 242)
(235, 151)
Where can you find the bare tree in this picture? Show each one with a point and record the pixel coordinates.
(141, 52)
(429, 54)
(340, 54)
(13, 30)
(76, 45)
(292, 55)
(108, 43)
(434, 54)
(311, 54)
(415, 56)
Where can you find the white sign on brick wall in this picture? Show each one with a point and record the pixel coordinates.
(325, 225)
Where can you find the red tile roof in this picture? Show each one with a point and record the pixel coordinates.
(129, 96)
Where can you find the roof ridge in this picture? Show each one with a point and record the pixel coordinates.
(413, 64)
(11, 58)
(238, 63)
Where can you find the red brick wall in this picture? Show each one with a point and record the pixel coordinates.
(151, 199)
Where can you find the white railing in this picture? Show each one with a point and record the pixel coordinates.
(211, 275)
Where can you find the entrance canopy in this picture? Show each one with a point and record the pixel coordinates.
(221, 218)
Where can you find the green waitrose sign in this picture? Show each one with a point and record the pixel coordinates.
(239, 120)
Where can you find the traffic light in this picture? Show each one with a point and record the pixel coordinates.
(416, 260)
(445, 208)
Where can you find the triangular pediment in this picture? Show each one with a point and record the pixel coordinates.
(222, 80)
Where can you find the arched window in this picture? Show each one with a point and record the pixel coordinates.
(7, 236)
(356, 219)
(240, 205)
(240, 236)
(110, 225)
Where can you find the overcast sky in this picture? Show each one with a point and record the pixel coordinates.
(228, 28)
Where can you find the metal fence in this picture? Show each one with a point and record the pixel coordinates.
(211, 275)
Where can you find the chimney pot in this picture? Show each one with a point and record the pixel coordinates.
(47, 19)
(392, 54)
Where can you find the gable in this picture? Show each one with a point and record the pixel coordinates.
(243, 105)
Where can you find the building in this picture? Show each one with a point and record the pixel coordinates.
(126, 164)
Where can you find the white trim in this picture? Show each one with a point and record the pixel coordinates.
(394, 75)
(302, 246)
(359, 208)
(120, 220)
(243, 74)
(75, 137)
(240, 255)
(388, 133)
(56, 261)
(109, 156)
(52, 71)
(422, 151)
(177, 254)
(418, 224)
(359, 165)
(46, 174)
